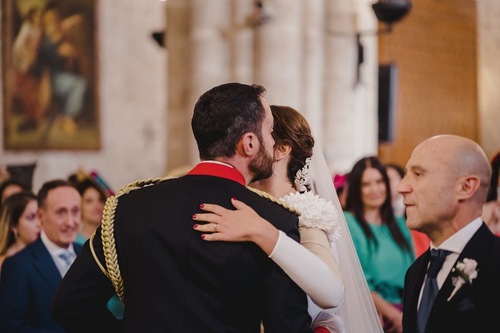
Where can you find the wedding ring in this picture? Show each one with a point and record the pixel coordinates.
(215, 226)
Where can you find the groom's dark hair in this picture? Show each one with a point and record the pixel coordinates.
(223, 114)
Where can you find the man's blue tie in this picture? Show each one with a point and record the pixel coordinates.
(68, 258)
(431, 288)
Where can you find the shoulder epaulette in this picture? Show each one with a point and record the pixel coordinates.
(112, 270)
(272, 198)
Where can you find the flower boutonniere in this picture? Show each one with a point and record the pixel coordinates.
(465, 272)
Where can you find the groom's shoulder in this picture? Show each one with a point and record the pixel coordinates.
(269, 199)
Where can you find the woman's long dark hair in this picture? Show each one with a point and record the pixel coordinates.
(10, 214)
(354, 202)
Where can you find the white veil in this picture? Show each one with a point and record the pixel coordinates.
(358, 310)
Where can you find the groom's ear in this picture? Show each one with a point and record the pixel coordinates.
(248, 144)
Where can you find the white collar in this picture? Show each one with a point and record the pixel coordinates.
(53, 248)
(218, 162)
(458, 240)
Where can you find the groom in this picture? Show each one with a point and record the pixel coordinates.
(445, 186)
(173, 281)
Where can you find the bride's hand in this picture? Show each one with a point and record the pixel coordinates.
(242, 224)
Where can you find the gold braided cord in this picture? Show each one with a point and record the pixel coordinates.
(98, 262)
(109, 246)
(108, 233)
(272, 198)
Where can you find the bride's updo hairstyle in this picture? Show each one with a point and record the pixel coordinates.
(291, 128)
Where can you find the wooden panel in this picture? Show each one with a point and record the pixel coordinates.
(434, 48)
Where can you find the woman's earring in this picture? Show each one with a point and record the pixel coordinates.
(274, 163)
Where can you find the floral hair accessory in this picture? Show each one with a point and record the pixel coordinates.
(466, 272)
(339, 180)
(302, 181)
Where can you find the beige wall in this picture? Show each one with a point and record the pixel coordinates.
(434, 49)
(447, 54)
(488, 55)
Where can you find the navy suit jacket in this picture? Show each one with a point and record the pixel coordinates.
(474, 308)
(28, 282)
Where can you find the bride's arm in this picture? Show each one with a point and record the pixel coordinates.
(319, 278)
(312, 266)
(316, 241)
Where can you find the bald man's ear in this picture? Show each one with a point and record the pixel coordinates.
(468, 187)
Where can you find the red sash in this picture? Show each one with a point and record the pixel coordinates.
(217, 169)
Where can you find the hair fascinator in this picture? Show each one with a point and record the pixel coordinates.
(81, 178)
(339, 180)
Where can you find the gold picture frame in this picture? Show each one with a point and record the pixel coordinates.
(49, 75)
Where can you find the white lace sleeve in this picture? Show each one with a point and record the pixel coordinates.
(315, 212)
(308, 271)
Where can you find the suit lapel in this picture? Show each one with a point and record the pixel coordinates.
(45, 265)
(415, 283)
(477, 248)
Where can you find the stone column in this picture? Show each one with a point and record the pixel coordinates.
(278, 52)
(210, 50)
(179, 82)
(350, 110)
(240, 34)
(312, 83)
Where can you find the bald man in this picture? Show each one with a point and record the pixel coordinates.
(445, 186)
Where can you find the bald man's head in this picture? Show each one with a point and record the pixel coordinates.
(461, 157)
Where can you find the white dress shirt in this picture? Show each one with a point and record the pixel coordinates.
(455, 244)
(55, 251)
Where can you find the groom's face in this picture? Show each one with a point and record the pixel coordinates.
(262, 164)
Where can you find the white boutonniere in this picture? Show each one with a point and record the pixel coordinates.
(466, 272)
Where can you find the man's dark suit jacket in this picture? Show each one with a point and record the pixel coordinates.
(28, 282)
(176, 282)
(474, 308)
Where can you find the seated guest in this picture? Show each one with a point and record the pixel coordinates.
(19, 224)
(9, 187)
(491, 209)
(94, 192)
(340, 184)
(382, 241)
(29, 278)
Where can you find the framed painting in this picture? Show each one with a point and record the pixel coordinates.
(49, 75)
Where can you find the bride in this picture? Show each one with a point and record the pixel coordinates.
(325, 264)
